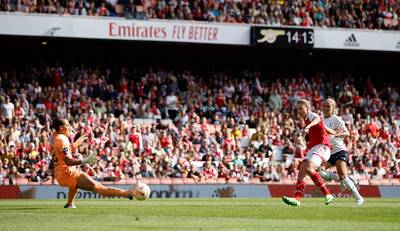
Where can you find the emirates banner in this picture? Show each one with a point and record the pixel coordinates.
(123, 29)
(114, 28)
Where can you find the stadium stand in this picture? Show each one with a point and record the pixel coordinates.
(365, 14)
(180, 126)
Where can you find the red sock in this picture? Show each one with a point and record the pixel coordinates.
(299, 190)
(319, 182)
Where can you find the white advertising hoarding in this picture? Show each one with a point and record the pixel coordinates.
(357, 39)
(123, 29)
(181, 31)
(159, 191)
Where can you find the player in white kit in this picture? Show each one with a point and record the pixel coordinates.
(338, 131)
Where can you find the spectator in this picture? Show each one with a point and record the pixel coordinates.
(270, 174)
(212, 123)
(209, 172)
(7, 110)
(275, 101)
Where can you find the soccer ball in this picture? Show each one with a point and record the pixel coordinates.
(142, 191)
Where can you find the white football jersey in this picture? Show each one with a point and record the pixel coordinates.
(334, 122)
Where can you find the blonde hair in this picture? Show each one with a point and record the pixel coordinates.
(305, 103)
(332, 102)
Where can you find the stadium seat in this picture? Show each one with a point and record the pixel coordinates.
(221, 181)
(165, 181)
(255, 181)
(22, 181)
(176, 181)
(210, 181)
(154, 180)
(380, 182)
(233, 180)
(46, 182)
(363, 182)
(143, 180)
(120, 182)
(386, 182)
(130, 181)
(395, 181)
(288, 181)
(107, 182)
(188, 181)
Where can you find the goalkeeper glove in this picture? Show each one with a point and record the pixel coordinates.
(91, 159)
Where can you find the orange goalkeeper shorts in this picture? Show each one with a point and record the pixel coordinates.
(67, 176)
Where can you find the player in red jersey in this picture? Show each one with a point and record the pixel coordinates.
(318, 151)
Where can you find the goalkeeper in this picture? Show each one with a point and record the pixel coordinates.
(66, 172)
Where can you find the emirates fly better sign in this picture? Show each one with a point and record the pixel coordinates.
(122, 29)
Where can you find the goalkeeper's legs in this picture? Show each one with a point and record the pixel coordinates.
(85, 182)
(71, 197)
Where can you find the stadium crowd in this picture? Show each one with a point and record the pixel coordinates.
(181, 124)
(369, 14)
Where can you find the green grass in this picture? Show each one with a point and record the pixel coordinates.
(199, 214)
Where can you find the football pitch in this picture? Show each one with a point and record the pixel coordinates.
(199, 214)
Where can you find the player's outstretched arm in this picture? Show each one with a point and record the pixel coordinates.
(91, 159)
(78, 142)
(314, 122)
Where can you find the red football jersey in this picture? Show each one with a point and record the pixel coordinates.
(317, 134)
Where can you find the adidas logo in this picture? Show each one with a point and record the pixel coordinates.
(398, 45)
(351, 41)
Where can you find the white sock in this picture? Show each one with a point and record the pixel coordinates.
(328, 175)
(349, 183)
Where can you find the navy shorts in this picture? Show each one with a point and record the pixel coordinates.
(341, 155)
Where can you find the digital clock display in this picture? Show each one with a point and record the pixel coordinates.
(298, 38)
